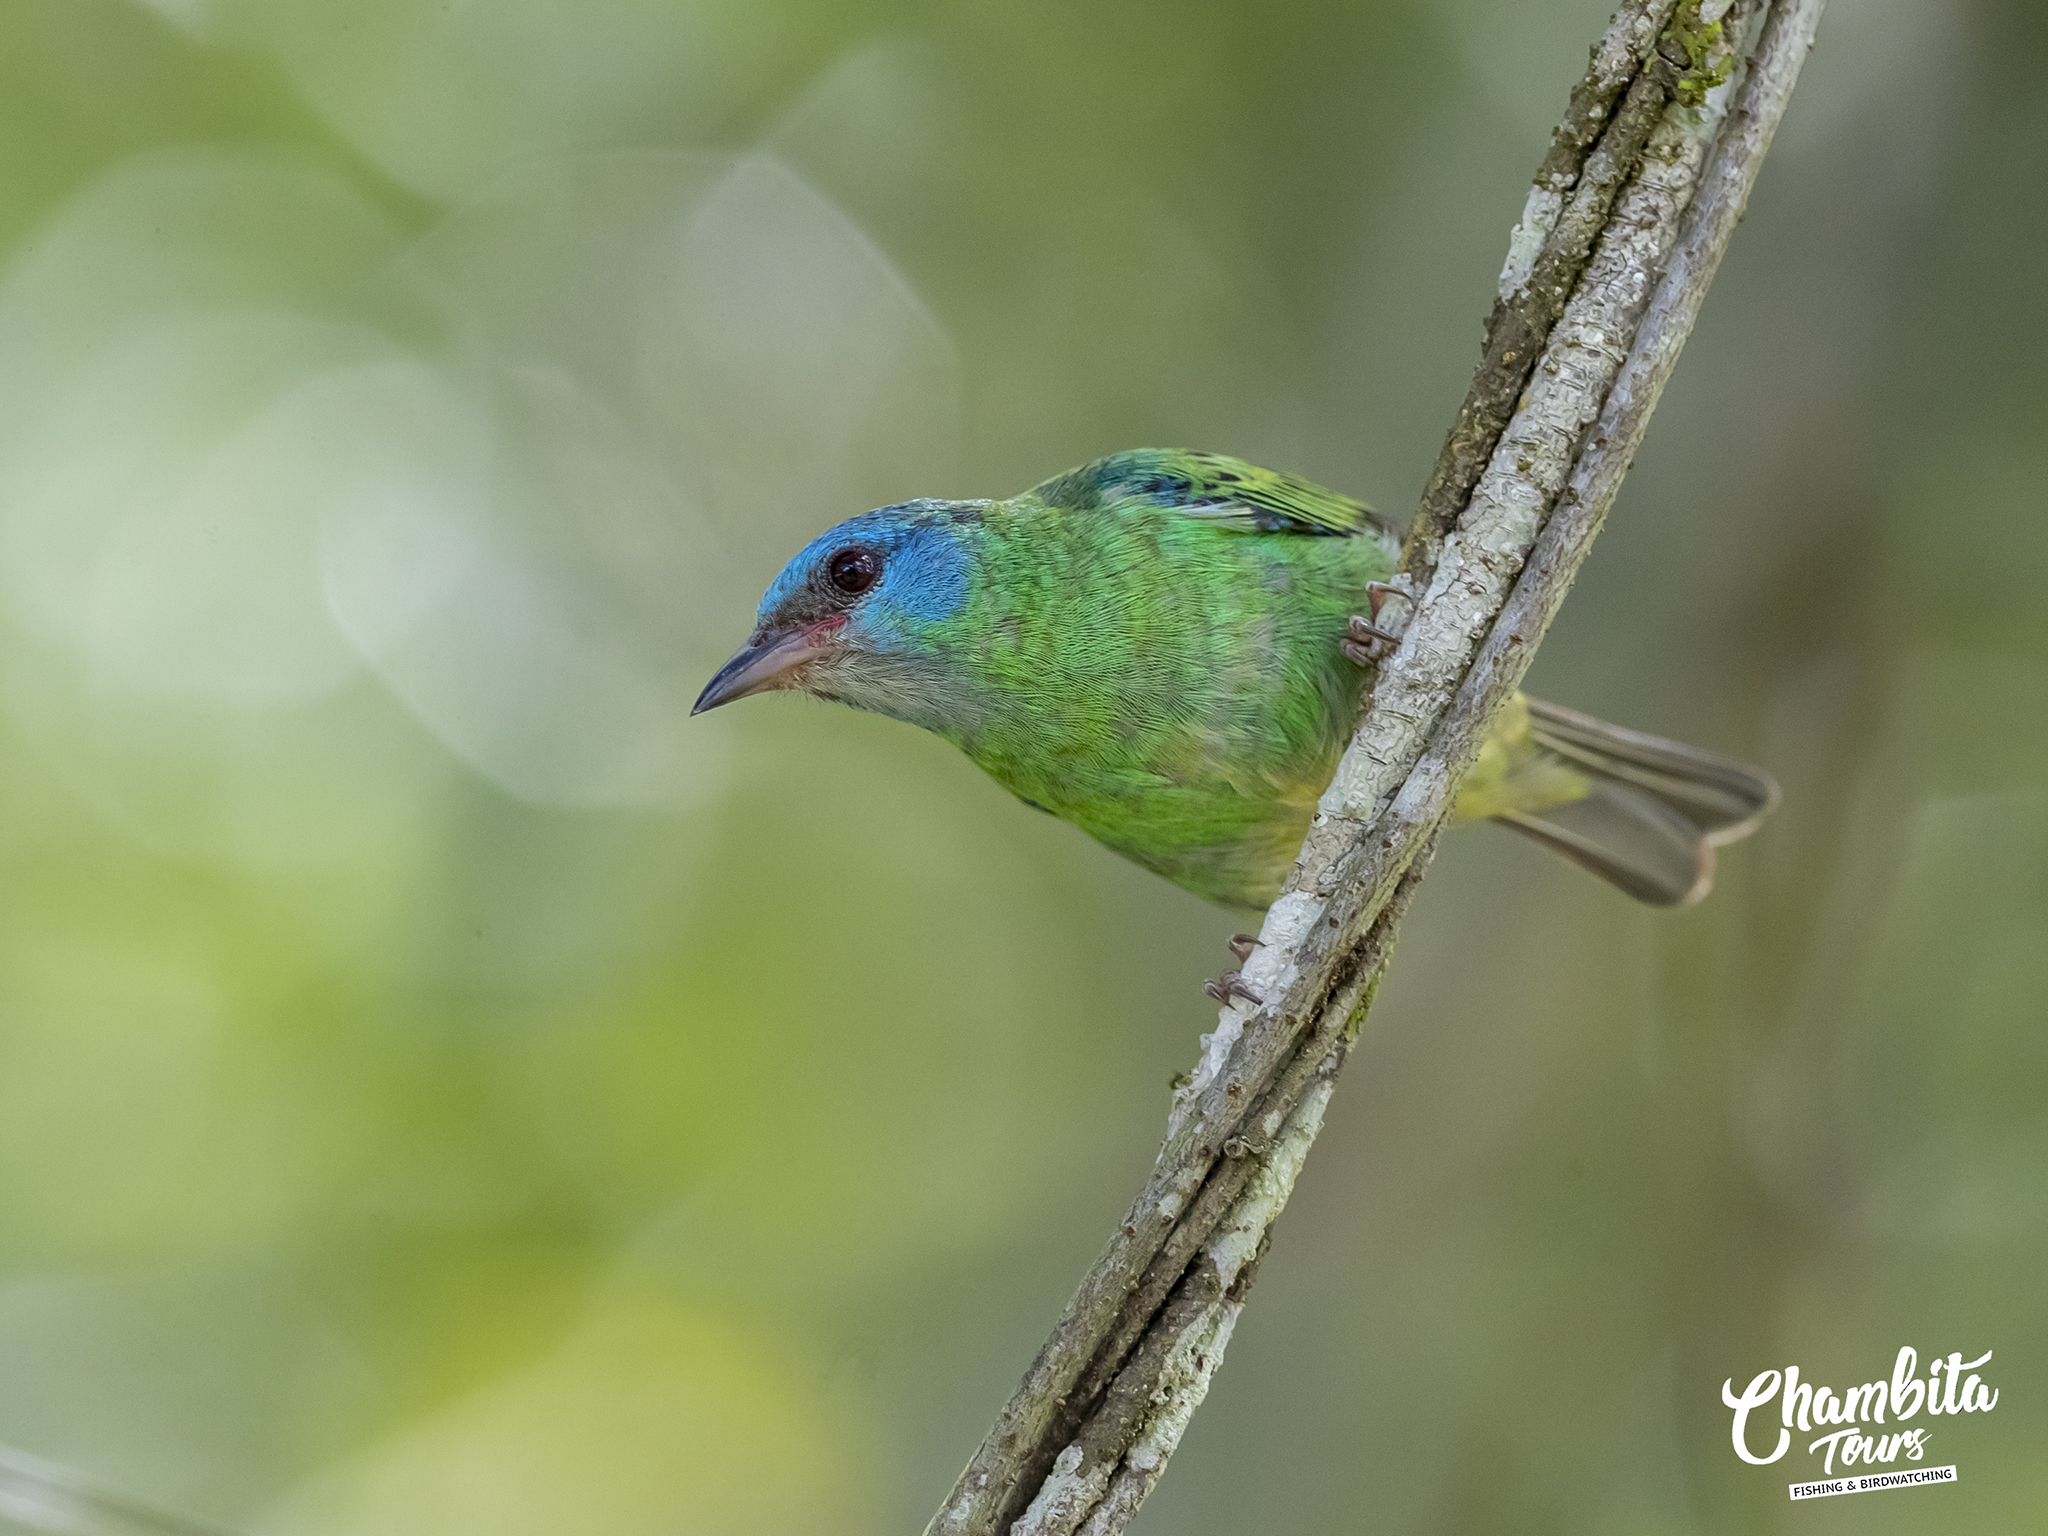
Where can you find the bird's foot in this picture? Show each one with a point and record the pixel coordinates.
(1363, 641)
(1230, 985)
(1242, 945)
(1363, 636)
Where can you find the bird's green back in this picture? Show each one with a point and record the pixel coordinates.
(1154, 643)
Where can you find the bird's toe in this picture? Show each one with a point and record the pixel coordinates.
(1230, 985)
(1365, 642)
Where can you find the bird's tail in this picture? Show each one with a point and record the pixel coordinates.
(1642, 813)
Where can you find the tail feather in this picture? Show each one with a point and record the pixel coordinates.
(1654, 810)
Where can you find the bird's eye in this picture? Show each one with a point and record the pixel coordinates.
(853, 571)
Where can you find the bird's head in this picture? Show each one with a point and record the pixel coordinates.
(860, 616)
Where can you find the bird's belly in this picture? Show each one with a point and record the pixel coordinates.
(1228, 837)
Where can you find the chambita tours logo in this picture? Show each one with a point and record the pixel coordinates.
(1947, 1390)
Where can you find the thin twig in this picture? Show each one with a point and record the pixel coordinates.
(1076, 1447)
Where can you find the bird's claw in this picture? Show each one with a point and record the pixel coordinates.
(1363, 636)
(1377, 593)
(1363, 640)
(1242, 945)
(1230, 985)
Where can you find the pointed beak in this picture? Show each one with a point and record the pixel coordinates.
(766, 662)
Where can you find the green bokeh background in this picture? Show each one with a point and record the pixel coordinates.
(445, 1090)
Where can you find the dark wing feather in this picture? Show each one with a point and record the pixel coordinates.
(1228, 492)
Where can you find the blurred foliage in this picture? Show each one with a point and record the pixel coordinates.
(444, 1089)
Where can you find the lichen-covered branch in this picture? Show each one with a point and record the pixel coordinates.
(1088, 1432)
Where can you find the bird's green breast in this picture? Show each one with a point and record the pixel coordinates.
(1173, 687)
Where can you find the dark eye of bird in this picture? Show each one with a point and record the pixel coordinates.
(854, 570)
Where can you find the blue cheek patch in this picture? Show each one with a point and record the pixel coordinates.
(926, 578)
(925, 569)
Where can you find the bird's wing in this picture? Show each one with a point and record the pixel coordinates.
(1229, 493)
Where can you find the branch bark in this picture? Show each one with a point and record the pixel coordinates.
(1621, 236)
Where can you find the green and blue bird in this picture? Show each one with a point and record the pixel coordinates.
(1166, 648)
